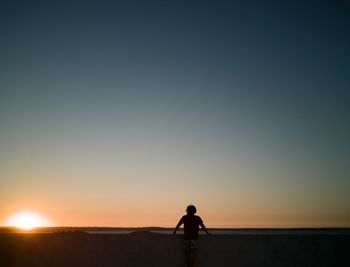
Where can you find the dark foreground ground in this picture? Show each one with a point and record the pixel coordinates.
(143, 249)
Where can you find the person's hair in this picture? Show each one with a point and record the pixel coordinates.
(191, 209)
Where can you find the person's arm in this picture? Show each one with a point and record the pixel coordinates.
(178, 225)
(204, 228)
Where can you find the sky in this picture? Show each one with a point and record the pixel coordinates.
(121, 113)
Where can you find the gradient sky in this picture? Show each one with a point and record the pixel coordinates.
(120, 113)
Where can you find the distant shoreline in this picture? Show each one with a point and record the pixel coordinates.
(167, 230)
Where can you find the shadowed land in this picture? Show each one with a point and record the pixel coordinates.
(144, 248)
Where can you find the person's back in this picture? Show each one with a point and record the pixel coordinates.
(191, 226)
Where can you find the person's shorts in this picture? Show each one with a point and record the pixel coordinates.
(190, 244)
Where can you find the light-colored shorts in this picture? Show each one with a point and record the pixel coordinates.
(190, 244)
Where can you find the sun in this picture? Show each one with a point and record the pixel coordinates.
(27, 220)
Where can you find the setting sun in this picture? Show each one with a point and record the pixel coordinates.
(27, 220)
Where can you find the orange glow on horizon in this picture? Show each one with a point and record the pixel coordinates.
(27, 220)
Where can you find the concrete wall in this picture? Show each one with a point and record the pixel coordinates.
(147, 249)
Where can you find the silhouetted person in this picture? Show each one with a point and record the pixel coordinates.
(191, 226)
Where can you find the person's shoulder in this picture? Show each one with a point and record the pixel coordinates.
(198, 218)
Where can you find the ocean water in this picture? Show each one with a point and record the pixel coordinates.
(310, 231)
(168, 231)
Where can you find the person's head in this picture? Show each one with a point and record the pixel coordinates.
(191, 210)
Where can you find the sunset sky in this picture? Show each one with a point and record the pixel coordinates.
(121, 113)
